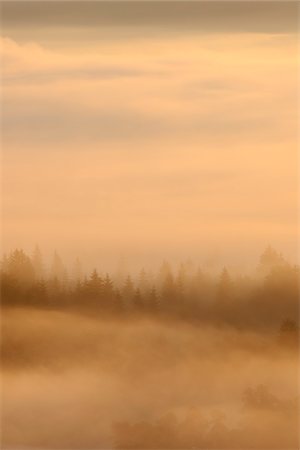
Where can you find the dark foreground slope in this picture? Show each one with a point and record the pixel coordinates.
(72, 381)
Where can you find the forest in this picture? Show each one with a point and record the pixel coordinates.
(178, 359)
(266, 299)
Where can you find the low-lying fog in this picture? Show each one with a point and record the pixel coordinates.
(73, 381)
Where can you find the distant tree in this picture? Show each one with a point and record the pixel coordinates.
(128, 292)
(164, 271)
(181, 282)
(94, 285)
(18, 266)
(108, 292)
(58, 269)
(193, 429)
(224, 288)
(37, 262)
(4, 263)
(55, 292)
(39, 294)
(259, 397)
(77, 274)
(121, 272)
(201, 291)
(218, 436)
(270, 259)
(153, 303)
(65, 280)
(169, 293)
(189, 267)
(143, 281)
(11, 290)
(138, 300)
(118, 302)
(281, 291)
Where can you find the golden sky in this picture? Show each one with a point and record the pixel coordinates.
(150, 130)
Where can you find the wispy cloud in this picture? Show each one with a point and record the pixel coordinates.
(217, 16)
(188, 142)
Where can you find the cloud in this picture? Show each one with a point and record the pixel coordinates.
(187, 142)
(219, 16)
(30, 63)
(118, 91)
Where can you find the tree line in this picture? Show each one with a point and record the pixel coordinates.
(268, 297)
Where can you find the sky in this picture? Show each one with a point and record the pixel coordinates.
(150, 130)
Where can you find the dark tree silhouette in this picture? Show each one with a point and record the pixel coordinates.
(197, 296)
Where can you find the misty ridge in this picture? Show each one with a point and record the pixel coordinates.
(266, 299)
(134, 131)
(177, 359)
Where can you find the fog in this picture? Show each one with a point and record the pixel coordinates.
(71, 382)
(174, 360)
(149, 230)
(178, 143)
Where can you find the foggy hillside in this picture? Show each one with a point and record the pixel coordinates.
(175, 360)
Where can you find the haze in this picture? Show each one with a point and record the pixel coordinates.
(130, 136)
(149, 277)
